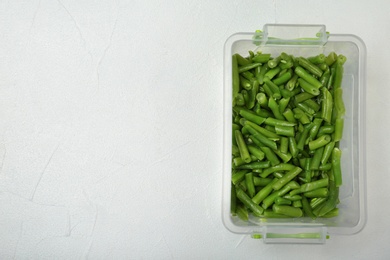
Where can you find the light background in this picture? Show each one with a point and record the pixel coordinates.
(111, 127)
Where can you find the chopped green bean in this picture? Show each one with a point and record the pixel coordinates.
(242, 212)
(258, 181)
(270, 155)
(336, 166)
(338, 129)
(283, 144)
(286, 178)
(264, 192)
(282, 201)
(253, 150)
(249, 184)
(302, 73)
(310, 67)
(287, 210)
(244, 198)
(248, 67)
(252, 117)
(306, 86)
(261, 58)
(254, 165)
(261, 138)
(242, 147)
(319, 142)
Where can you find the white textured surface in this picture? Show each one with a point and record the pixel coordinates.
(111, 124)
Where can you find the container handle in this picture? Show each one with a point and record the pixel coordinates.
(291, 34)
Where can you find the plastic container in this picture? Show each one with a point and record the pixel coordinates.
(306, 40)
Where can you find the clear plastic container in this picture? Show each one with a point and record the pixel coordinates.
(306, 41)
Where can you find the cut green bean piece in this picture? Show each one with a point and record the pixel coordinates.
(338, 102)
(238, 176)
(297, 204)
(244, 83)
(264, 70)
(235, 151)
(301, 116)
(271, 72)
(241, 60)
(336, 166)
(309, 88)
(286, 178)
(253, 150)
(272, 214)
(314, 185)
(287, 210)
(282, 201)
(292, 146)
(318, 193)
(279, 167)
(262, 100)
(285, 130)
(233, 200)
(249, 184)
(242, 212)
(304, 135)
(244, 198)
(332, 200)
(261, 58)
(261, 138)
(254, 165)
(320, 58)
(307, 209)
(283, 103)
(248, 75)
(282, 79)
(292, 198)
(316, 127)
(258, 181)
(248, 67)
(269, 200)
(291, 84)
(289, 115)
(263, 131)
(274, 122)
(274, 62)
(305, 108)
(242, 147)
(338, 75)
(326, 129)
(312, 104)
(286, 157)
(327, 152)
(325, 167)
(316, 203)
(316, 159)
(303, 96)
(264, 192)
(275, 109)
(236, 78)
(319, 142)
(284, 145)
(270, 155)
(302, 73)
(238, 161)
(331, 58)
(251, 117)
(338, 129)
(310, 67)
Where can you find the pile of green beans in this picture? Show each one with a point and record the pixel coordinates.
(288, 117)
